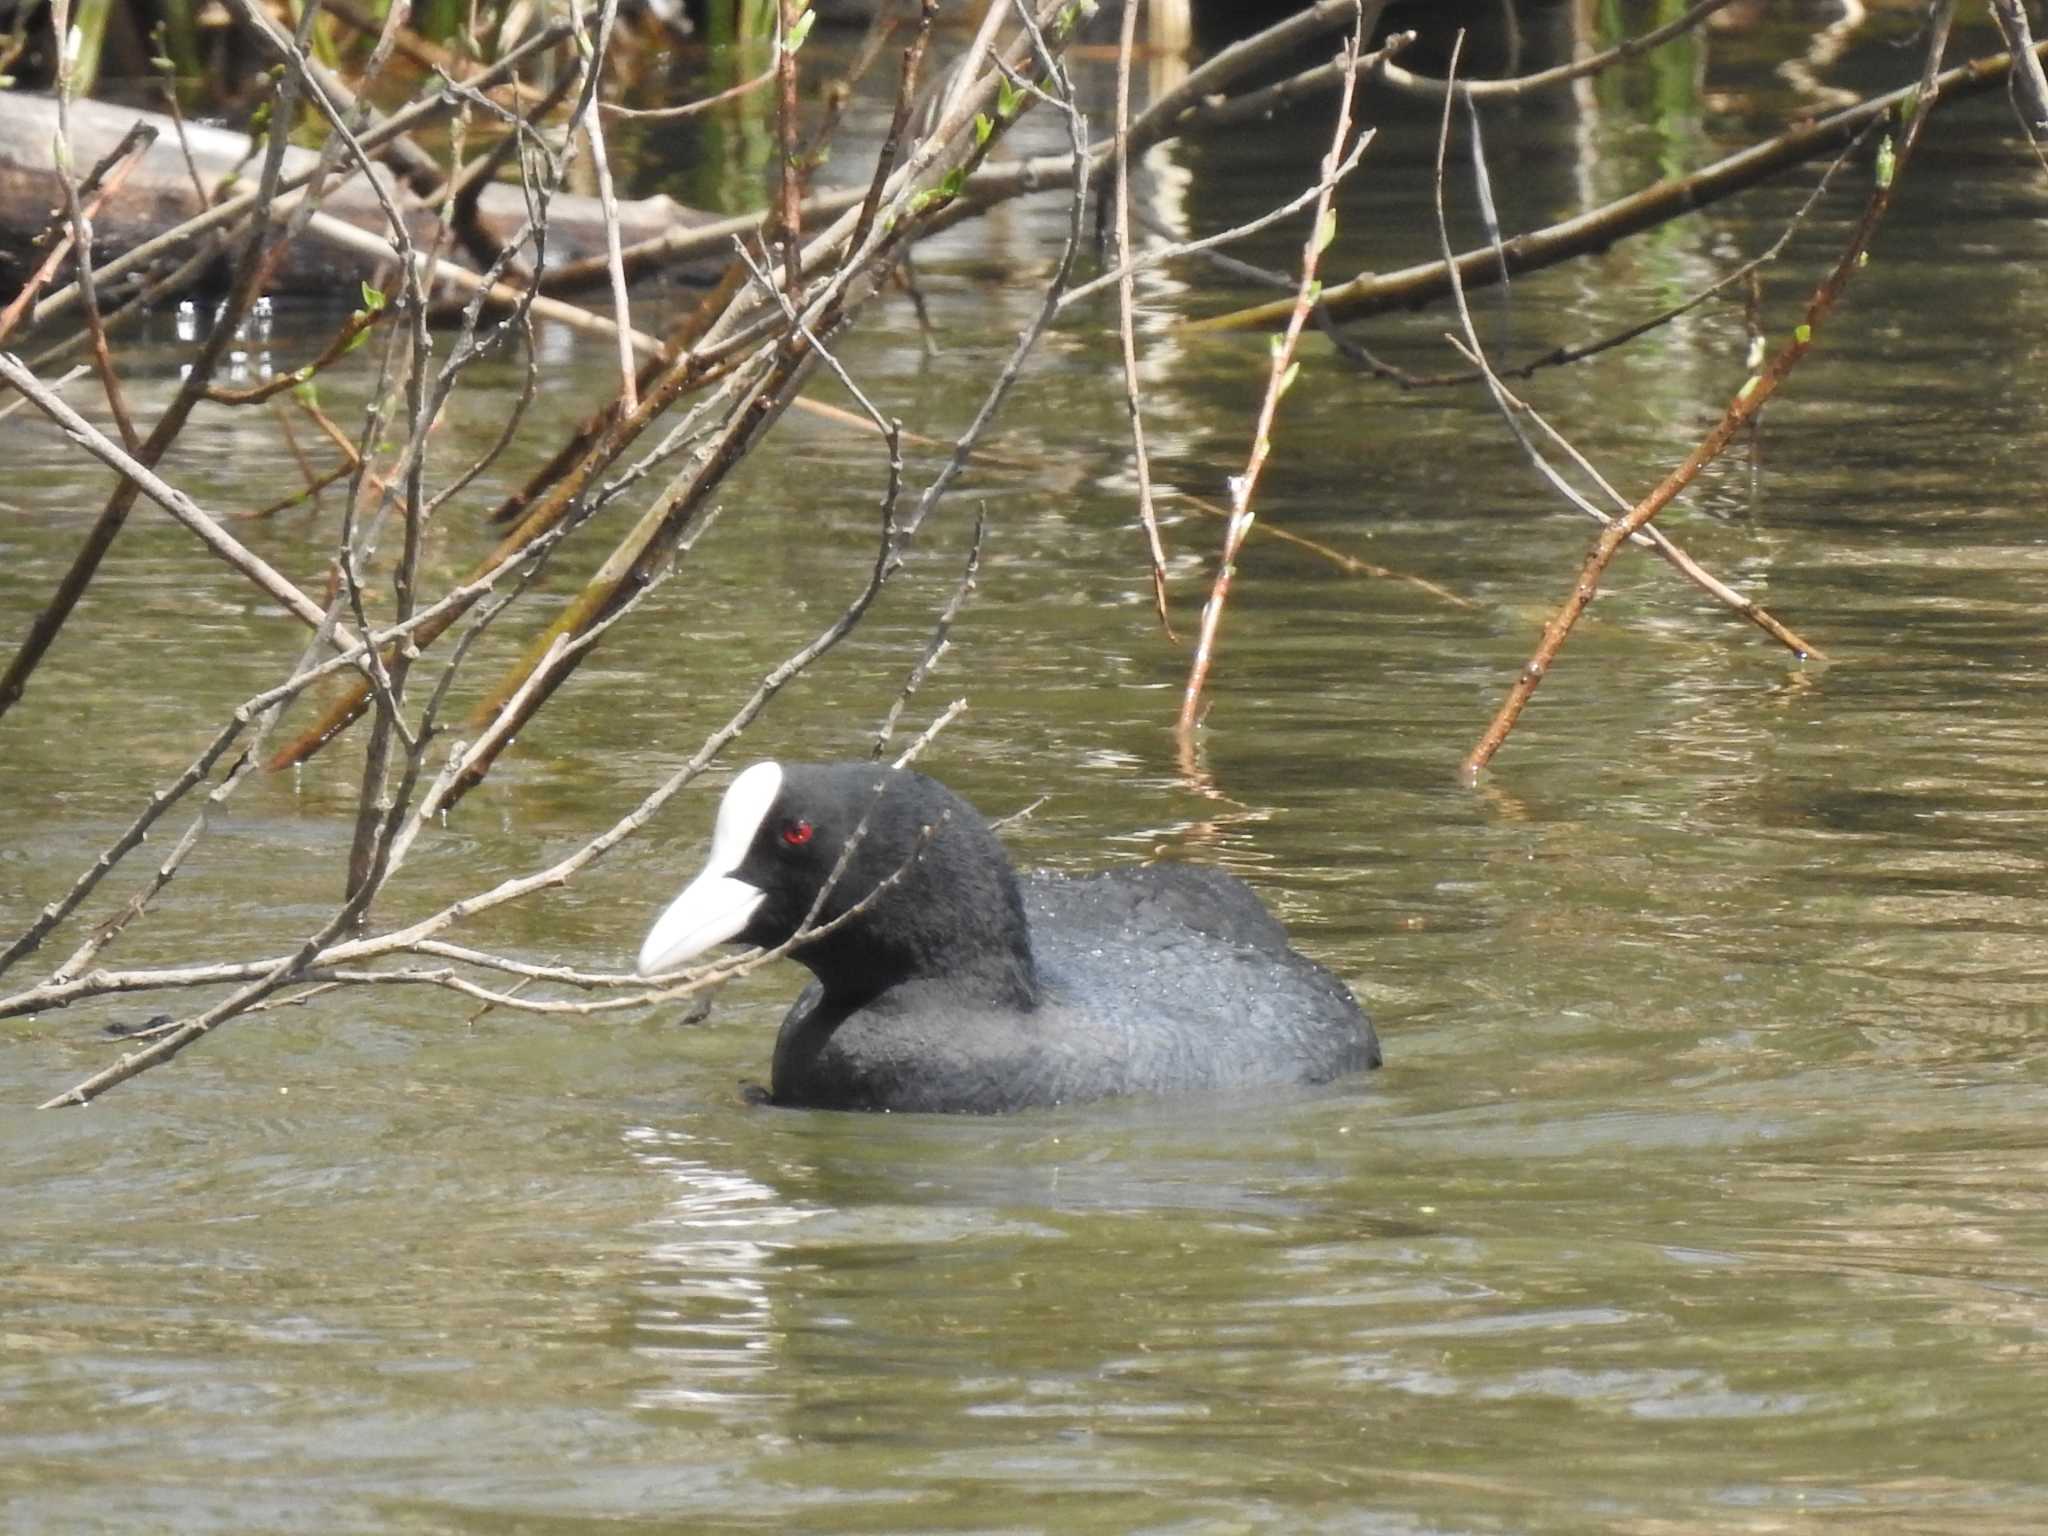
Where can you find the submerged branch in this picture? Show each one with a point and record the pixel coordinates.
(1430, 282)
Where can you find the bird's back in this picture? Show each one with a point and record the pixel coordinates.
(1160, 979)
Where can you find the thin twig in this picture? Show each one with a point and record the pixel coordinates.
(1126, 303)
(1279, 376)
(1424, 88)
(1266, 528)
(789, 185)
(594, 53)
(1179, 250)
(689, 108)
(935, 647)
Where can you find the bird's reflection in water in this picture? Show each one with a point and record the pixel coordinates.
(704, 1309)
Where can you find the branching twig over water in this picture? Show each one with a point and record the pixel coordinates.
(1512, 410)
(1748, 401)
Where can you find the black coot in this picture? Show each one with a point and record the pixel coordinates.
(960, 987)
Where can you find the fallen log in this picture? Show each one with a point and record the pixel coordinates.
(159, 196)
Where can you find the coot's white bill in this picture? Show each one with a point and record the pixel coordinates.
(712, 909)
(717, 904)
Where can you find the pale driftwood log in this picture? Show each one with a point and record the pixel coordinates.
(159, 195)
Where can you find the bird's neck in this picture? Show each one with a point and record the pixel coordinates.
(980, 951)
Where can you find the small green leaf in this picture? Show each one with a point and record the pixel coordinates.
(1748, 387)
(1802, 333)
(954, 180)
(1287, 378)
(1863, 258)
(1008, 97)
(373, 298)
(1276, 344)
(1315, 290)
(307, 395)
(1326, 230)
(982, 129)
(1887, 161)
(799, 32)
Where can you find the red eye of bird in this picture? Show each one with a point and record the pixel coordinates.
(796, 833)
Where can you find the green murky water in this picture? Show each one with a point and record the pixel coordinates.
(1706, 1187)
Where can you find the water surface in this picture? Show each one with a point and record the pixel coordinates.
(1704, 1186)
